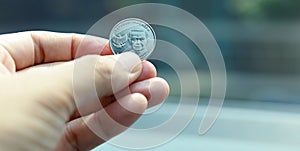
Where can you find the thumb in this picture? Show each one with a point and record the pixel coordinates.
(80, 83)
(95, 77)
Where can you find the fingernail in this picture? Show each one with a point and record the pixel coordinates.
(3, 70)
(137, 68)
(131, 62)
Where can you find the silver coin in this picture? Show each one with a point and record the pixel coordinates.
(133, 35)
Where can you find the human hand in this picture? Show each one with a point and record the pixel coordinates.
(38, 107)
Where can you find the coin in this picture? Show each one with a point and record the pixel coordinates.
(132, 35)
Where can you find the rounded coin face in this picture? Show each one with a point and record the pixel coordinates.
(132, 35)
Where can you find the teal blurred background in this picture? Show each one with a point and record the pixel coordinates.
(260, 43)
(259, 39)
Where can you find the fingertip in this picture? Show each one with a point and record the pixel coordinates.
(131, 63)
(89, 45)
(151, 69)
(106, 50)
(156, 90)
(159, 90)
(165, 85)
(148, 71)
(135, 103)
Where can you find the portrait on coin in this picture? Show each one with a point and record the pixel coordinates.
(138, 39)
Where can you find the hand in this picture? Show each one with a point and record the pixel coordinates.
(38, 109)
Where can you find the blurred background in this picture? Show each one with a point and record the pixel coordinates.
(259, 40)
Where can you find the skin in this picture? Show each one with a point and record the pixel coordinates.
(38, 109)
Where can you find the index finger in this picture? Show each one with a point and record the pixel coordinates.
(27, 49)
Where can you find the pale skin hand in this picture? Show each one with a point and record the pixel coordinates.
(37, 109)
